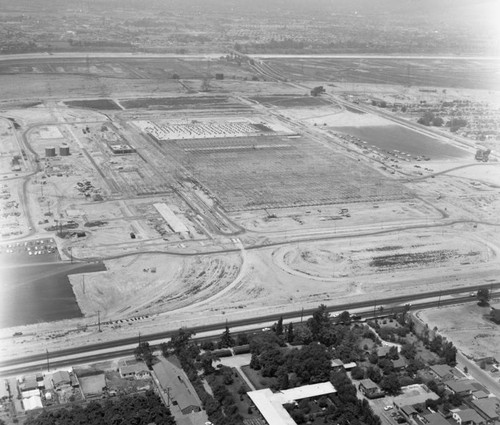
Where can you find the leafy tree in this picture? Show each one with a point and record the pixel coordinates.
(393, 353)
(373, 357)
(242, 339)
(135, 409)
(254, 362)
(289, 333)
(390, 384)
(449, 354)
(143, 352)
(271, 360)
(344, 318)
(409, 351)
(178, 343)
(206, 360)
(226, 339)
(455, 399)
(414, 366)
(483, 296)
(303, 335)
(437, 122)
(427, 118)
(311, 364)
(373, 374)
(279, 327)
(319, 322)
(433, 386)
(357, 373)
(283, 378)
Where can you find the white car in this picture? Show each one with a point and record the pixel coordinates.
(386, 408)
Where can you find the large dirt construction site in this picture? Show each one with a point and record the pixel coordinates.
(249, 199)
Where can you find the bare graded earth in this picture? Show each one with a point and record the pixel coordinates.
(468, 326)
(275, 222)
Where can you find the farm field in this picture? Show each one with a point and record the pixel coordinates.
(432, 72)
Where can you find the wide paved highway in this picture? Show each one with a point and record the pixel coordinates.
(120, 55)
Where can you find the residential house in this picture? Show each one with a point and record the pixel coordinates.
(445, 372)
(400, 364)
(479, 395)
(414, 395)
(28, 383)
(137, 370)
(383, 351)
(433, 419)
(468, 417)
(61, 379)
(370, 389)
(408, 412)
(93, 386)
(461, 387)
(488, 408)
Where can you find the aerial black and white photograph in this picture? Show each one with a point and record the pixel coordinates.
(249, 212)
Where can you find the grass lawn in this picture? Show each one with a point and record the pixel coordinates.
(242, 401)
(258, 381)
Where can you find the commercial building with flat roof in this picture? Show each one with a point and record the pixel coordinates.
(172, 220)
(270, 404)
(174, 382)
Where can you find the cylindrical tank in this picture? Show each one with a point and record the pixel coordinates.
(64, 150)
(50, 152)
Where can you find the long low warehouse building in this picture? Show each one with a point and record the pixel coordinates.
(270, 404)
(172, 220)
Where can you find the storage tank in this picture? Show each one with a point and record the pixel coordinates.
(50, 152)
(64, 150)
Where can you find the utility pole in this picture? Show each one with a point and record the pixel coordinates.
(99, 319)
(139, 338)
(48, 364)
(302, 315)
(83, 283)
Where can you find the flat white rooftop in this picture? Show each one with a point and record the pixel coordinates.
(172, 220)
(271, 404)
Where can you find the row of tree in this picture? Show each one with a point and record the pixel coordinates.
(138, 409)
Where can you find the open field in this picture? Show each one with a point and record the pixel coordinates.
(99, 104)
(178, 103)
(290, 101)
(465, 73)
(468, 326)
